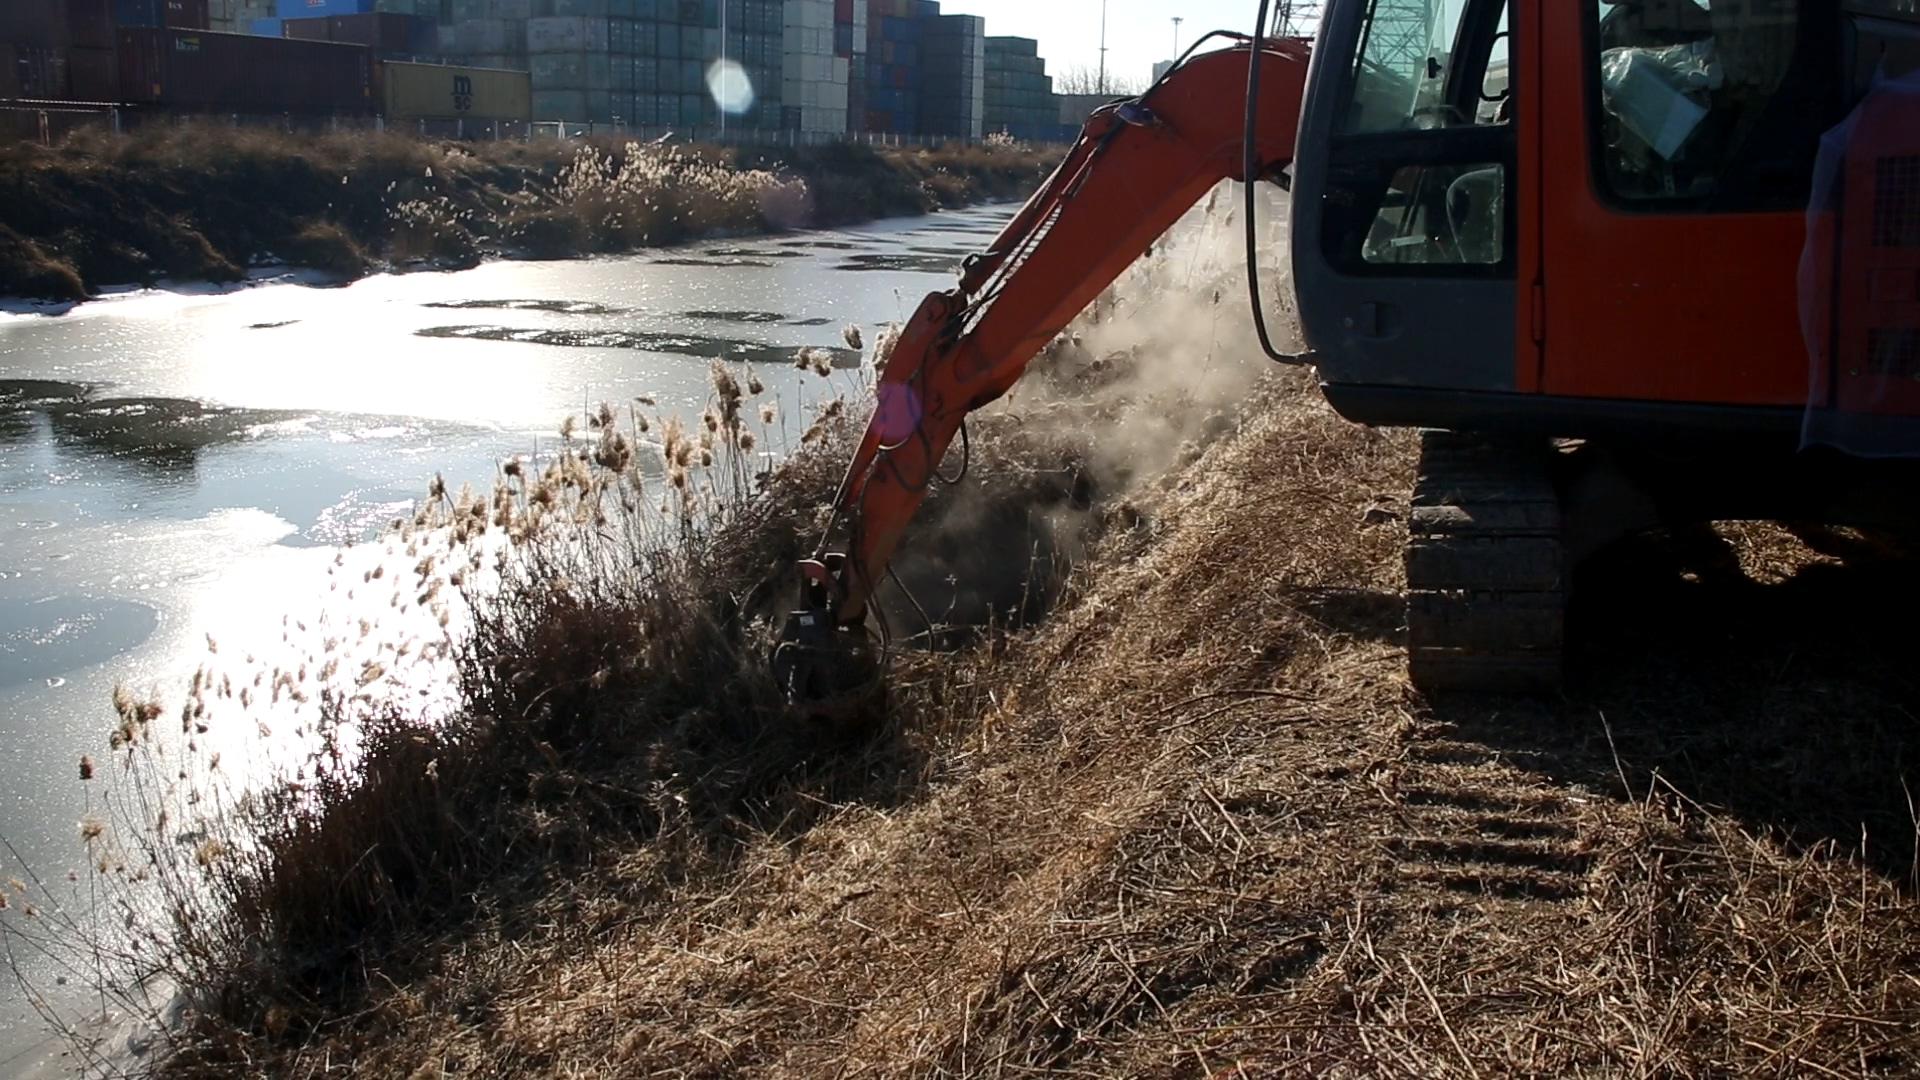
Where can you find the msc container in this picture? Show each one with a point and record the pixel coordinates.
(197, 70)
(443, 92)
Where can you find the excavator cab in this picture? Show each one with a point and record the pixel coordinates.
(1588, 247)
(1626, 264)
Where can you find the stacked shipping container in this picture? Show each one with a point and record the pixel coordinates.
(756, 40)
(93, 72)
(953, 63)
(815, 66)
(201, 71)
(186, 14)
(390, 36)
(1020, 99)
(639, 61)
(58, 50)
(850, 44)
(238, 16)
(815, 88)
(893, 64)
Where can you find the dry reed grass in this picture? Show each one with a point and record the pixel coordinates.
(208, 202)
(1196, 823)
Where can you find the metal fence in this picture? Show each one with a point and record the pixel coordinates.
(737, 136)
(47, 122)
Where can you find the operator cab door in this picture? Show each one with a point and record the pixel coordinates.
(1408, 194)
(1677, 162)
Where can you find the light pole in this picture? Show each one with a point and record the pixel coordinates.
(1103, 48)
(722, 79)
(1177, 20)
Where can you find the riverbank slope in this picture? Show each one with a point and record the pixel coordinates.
(207, 203)
(1197, 823)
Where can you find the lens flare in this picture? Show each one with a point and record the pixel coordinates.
(730, 86)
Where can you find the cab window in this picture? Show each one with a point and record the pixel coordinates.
(1712, 104)
(1424, 156)
(1405, 75)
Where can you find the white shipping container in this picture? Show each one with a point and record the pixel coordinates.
(573, 33)
(823, 121)
(813, 14)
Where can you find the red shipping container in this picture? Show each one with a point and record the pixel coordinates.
(193, 70)
(90, 24)
(382, 32)
(843, 11)
(320, 29)
(387, 34)
(94, 75)
(42, 23)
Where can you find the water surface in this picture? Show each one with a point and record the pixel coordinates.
(182, 471)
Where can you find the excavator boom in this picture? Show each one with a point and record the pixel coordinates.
(1137, 167)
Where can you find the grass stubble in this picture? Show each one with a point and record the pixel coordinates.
(1180, 816)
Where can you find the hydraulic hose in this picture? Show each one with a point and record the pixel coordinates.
(1252, 179)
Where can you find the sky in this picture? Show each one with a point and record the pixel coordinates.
(1139, 32)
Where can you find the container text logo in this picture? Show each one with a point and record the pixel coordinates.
(462, 93)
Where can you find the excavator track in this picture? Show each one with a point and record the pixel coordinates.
(1486, 574)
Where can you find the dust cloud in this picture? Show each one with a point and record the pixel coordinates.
(1162, 365)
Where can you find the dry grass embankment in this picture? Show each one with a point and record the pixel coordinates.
(206, 203)
(1193, 822)
(1197, 824)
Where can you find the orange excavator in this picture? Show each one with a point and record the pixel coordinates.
(1627, 265)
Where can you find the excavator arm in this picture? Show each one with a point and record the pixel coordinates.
(1136, 168)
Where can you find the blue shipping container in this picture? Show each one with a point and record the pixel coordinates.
(265, 28)
(313, 9)
(136, 13)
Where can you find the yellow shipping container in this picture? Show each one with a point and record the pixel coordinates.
(441, 92)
